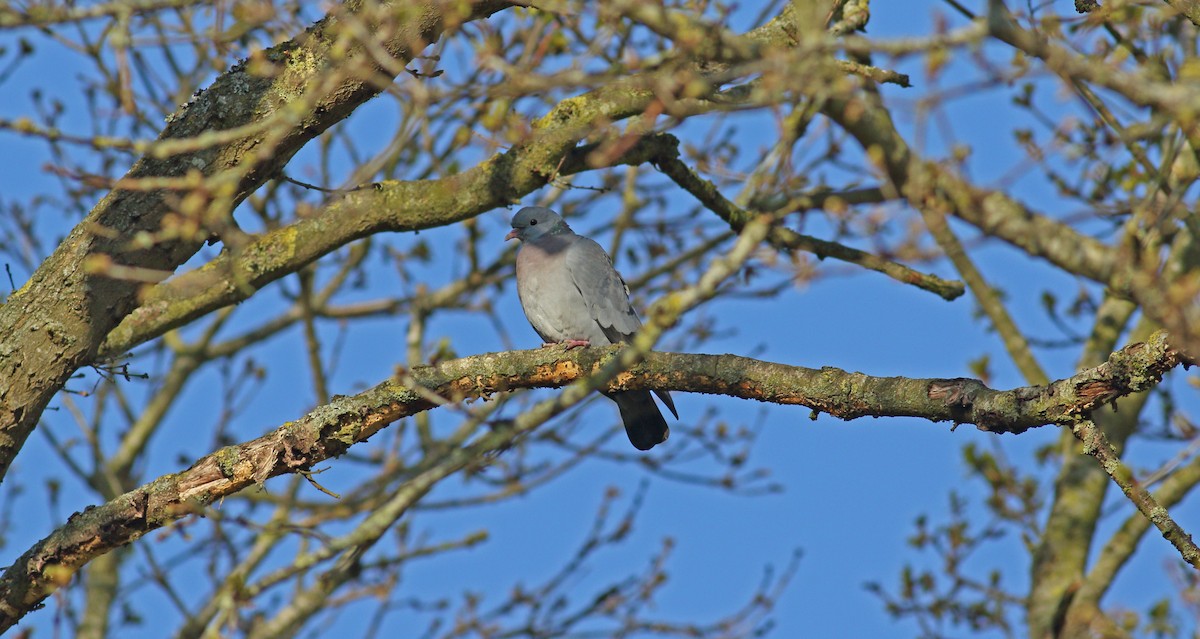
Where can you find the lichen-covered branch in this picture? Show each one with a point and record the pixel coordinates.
(1059, 561)
(1097, 445)
(57, 321)
(330, 430)
(925, 183)
(394, 206)
(1189, 8)
(1179, 100)
(399, 206)
(1119, 548)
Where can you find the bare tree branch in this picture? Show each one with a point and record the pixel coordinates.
(331, 430)
(57, 321)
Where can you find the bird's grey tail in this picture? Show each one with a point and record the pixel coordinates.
(643, 422)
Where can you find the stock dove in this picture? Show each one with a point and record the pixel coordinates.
(572, 295)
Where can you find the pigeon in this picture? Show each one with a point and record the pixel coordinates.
(572, 295)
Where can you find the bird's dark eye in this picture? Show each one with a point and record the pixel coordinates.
(532, 222)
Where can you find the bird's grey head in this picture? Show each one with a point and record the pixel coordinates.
(533, 222)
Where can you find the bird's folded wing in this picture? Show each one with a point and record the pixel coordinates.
(603, 290)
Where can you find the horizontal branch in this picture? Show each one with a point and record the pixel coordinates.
(330, 430)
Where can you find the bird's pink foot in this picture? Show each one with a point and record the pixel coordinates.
(569, 343)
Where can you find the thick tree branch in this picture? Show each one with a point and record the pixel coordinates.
(330, 430)
(1178, 100)
(389, 206)
(1189, 8)
(922, 183)
(57, 321)
(925, 183)
(407, 206)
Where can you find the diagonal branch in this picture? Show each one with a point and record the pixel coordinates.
(389, 206)
(988, 298)
(406, 206)
(1124, 542)
(1098, 446)
(1178, 100)
(924, 183)
(785, 239)
(1189, 8)
(56, 322)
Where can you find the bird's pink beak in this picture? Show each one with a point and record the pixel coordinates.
(512, 235)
